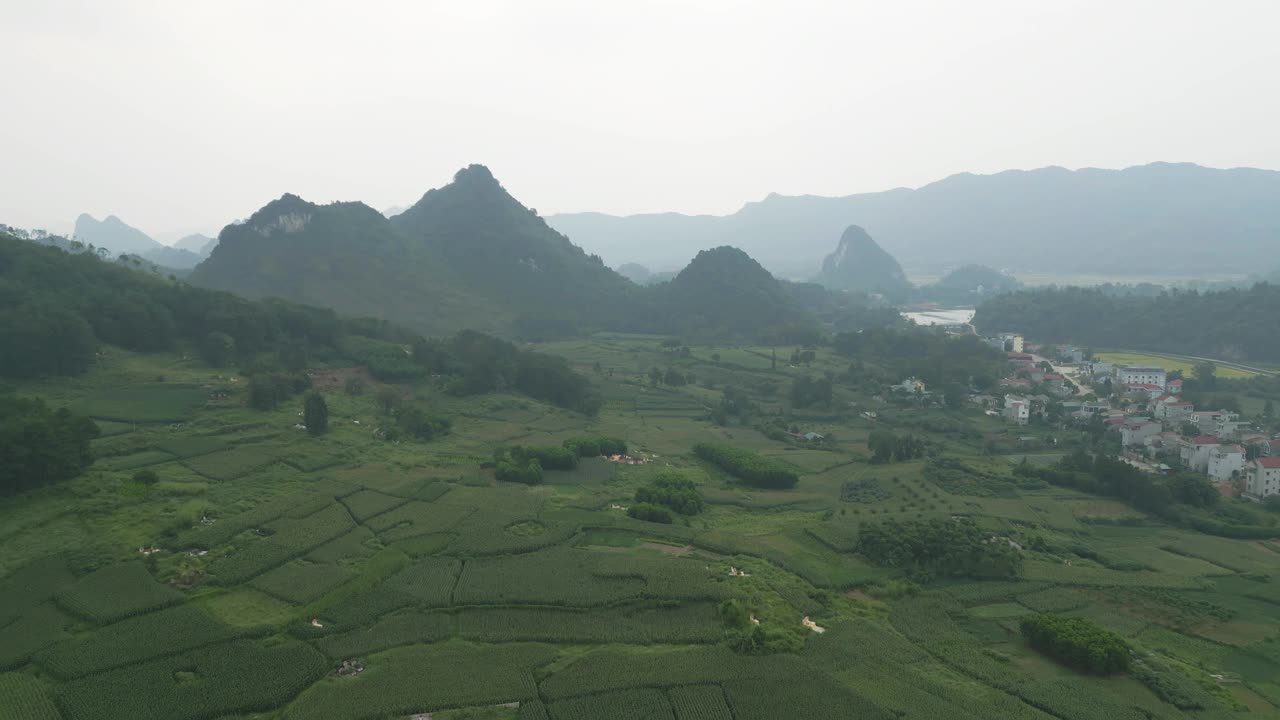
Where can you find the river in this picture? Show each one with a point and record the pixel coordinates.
(941, 317)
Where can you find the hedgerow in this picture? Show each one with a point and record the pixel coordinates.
(747, 466)
(426, 678)
(235, 677)
(116, 592)
(164, 632)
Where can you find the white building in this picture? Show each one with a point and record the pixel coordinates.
(1226, 462)
(1195, 452)
(1017, 409)
(1136, 432)
(1142, 375)
(1264, 478)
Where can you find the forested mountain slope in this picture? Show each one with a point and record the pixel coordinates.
(1231, 324)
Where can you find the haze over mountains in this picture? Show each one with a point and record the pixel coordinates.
(120, 238)
(1162, 218)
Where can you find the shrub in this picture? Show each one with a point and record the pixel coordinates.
(650, 513)
(146, 477)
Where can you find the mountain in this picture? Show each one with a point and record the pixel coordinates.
(635, 272)
(201, 245)
(113, 234)
(502, 250)
(1162, 218)
(344, 256)
(858, 263)
(978, 279)
(172, 257)
(724, 292)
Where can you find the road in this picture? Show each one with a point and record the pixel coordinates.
(1215, 361)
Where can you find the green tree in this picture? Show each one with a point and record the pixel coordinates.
(217, 349)
(315, 414)
(1206, 375)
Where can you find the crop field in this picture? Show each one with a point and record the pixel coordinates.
(1169, 364)
(153, 403)
(264, 559)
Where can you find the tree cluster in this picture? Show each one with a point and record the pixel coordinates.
(650, 512)
(747, 466)
(927, 353)
(1077, 642)
(806, 391)
(596, 445)
(1209, 324)
(40, 446)
(886, 446)
(673, 491)
(939, 547)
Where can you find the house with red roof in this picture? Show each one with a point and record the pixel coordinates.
(1173, 386)
(1264, 478)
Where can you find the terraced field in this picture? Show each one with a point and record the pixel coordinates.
(270, 574)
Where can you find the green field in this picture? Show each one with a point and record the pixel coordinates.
(281, 556)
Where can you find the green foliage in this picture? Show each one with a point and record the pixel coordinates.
(650, 512)
(34, 629)
(461, 675)
(867, 490)
(1171, 686)
(146, 477)
(315, 414)
(673, 491)
(23, 697)
(596, 445)
(528, 472)
(301, 582)
(269, 389)
(747, 466)
(116, 592)
(638, 704)
(886, 446)
(164, 632)
(699, 702)
(394, 630)
(547, 457)
(217, 349)
(934, 357)
(240, 676)
(939, 546)
(277, 542)
(364, 504)
(1077, 642)
(39, 446)
(1189, 323)
(416, 422)
(688, 623)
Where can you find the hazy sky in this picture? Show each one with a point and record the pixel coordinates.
(182, 116)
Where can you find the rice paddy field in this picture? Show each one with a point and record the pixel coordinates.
(270, 574)
(1169, 364)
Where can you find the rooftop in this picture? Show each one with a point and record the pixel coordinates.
(1270, 463)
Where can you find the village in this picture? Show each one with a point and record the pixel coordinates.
(1141, 407)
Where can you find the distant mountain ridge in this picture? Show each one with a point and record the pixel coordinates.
(1162, 218)
(121, 238)
(469, 255)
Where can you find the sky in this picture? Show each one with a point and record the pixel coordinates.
(183, 116)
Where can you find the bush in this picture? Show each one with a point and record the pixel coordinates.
(673, 491)
(747, 466)
(1077, 642)
(593, 446)
(146, 477)
(529, 473)
(650, 513)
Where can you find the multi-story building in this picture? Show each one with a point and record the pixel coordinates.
(1264, 478)
(1017, 409)
(1142, 375)
(1195, 452)
(1226, 463)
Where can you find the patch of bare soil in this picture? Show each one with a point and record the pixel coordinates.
(672, 550)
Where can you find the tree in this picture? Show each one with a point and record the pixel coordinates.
(217, 349)
(954, 395)
(146, 477)
(387, 398)
(315, 414)
(1206, 375)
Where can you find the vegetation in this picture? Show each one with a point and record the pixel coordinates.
(1209, 324)
(39, 446)
(1077, 642)
(939, 547)
(747, 466)
(673, 491)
